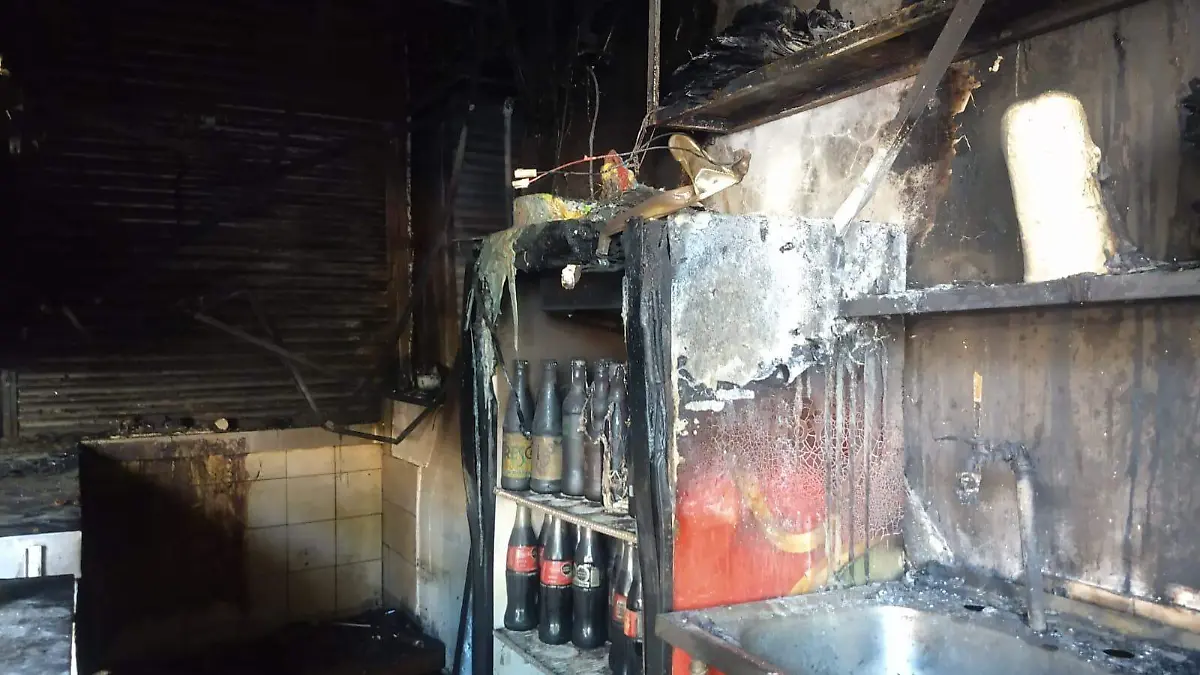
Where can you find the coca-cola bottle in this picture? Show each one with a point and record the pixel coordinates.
(618, 662)
(589, 599)
(593, 447)
(572, 430)
(617, 430)
(521, 574)
(634, 635)
(518, 426)
(547, 434)
(554, 599)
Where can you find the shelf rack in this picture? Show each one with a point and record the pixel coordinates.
(555, 659)
(1071, 291)
(865, 57)
(577, 511)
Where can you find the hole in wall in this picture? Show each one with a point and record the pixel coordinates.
(973, 607)
(1119, 653)
(1049, 647)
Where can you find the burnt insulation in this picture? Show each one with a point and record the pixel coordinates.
(759, 34)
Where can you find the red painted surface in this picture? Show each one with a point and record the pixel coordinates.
(751, 495)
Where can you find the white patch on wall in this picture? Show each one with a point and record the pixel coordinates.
(806, 164)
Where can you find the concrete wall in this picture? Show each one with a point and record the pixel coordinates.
(194, 540)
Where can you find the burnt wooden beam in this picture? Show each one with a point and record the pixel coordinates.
(556, 244)
(1071, 291)
(478, 422)
(648, 341)
(891, 48)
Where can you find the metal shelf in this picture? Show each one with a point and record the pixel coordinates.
(875, 53)
(577, 511)
(555, 659)
(1072, 291)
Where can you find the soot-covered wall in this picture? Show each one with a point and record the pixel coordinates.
(1106, 396)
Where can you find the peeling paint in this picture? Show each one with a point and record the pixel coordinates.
(704, 406)
(723, 334)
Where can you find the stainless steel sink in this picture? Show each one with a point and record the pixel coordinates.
(889, 640)
(908, 628)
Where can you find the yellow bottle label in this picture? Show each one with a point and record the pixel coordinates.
(547, 457)
(518, 456)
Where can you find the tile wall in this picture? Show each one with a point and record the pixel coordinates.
(401, 485)
(314, 523)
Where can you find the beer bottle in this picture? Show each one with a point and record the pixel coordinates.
(618, 662)
(589, 600)
(554, 601)
(634, 636)
(521, 574)
(547, 434)
(593, 448)
(617, 429)
(572, 430)
(518, 426)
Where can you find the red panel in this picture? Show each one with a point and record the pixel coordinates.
(756, 479)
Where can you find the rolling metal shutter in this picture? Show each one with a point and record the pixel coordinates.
(155, 191)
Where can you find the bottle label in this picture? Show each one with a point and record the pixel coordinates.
(556, 572)
(518, 455)
(587, 576)
(522, 559)
(618, 608)
(547, 457)
(633, 624)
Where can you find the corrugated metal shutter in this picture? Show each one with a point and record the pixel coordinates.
(136, 214)
(480, 203)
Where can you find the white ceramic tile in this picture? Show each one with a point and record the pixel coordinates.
(266, 550)
(266, 503)
(359, 493)
(310, 461)
(312, 593)
(367, 457)
(359, 539)
(310, 498)
(399, 580)
(311, 545)
(401, 482)
(359, 586)
(266, 465)
(400, 531)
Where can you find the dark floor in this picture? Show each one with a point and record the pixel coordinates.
(378, 642)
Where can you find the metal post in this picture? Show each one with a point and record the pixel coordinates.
(653, 55)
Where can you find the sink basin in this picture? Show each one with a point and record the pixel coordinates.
(914, 627)
(889, 640)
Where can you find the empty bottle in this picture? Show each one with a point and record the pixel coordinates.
(554, 598)
(617, 431)
(547, 434)
(521, 574)
(618, 661)
(634, 635)
(572, 430)
(593, 447)
(589, 599)
(518, 427)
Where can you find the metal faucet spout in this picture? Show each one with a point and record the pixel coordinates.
(1016, 456)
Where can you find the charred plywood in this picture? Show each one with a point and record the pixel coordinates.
(1106, 398)
(786, 435)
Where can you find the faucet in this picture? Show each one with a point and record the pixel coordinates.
(1016, 455)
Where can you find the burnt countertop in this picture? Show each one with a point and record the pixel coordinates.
(35, 625)
(39, 493)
